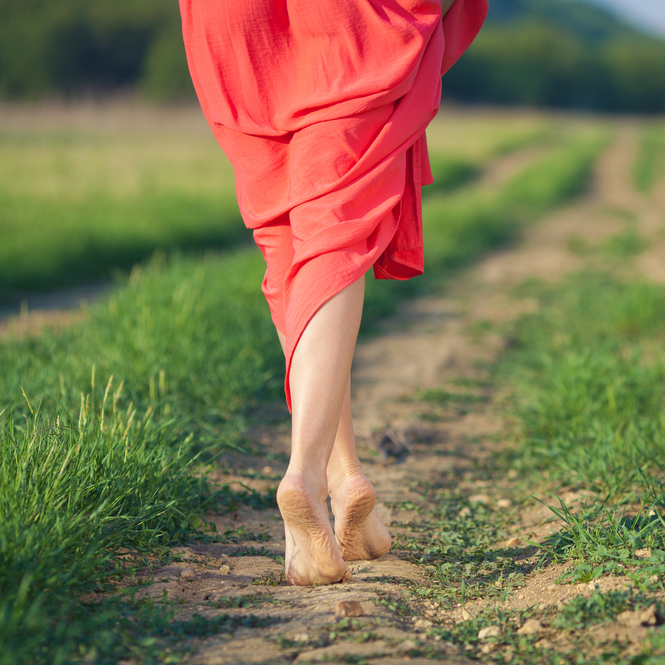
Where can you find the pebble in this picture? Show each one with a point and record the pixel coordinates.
(486, 648)
(504, 503)
(348, 608)
(407, 645)
(266, 470)
(188, 574)
(225, 569)
(635, 618)
(301, 637)
(479, 498)
(514, 542)
(423, 624)
(643, 554)
(465, 512)
(551, 587)
(531, 627)
(653, 579)
(489, 631)
(466, 615)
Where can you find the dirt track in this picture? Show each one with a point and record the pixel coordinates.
(428, 344)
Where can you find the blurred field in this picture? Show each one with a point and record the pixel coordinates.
(88, 190)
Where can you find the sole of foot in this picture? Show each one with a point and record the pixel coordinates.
(312, 555)
(360, 533)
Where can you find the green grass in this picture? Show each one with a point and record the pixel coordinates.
(649, 164)
(166, 367)
(76, 206)
(591, 365)
(582, 379)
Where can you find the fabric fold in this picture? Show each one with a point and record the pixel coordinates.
(322, 109)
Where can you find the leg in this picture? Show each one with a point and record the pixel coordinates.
(319, 377)
(359, 531)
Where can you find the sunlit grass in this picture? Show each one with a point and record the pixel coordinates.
(649, 166)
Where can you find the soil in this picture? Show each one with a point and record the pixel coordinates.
(429, 343)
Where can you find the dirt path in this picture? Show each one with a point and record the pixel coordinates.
(431, 343)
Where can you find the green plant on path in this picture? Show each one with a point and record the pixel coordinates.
(649, 165)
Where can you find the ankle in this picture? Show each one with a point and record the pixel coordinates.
(303, 481)
(341, 474)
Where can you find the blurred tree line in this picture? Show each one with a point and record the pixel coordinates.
(562, 54)
(74, 47)
(557, 53)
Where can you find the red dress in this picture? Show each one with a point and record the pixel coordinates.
(321, 106)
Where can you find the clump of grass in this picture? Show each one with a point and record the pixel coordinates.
(450, 172)
(625, 244)
(73, 496)
(649, 163)
(190, 340)
(589, 375)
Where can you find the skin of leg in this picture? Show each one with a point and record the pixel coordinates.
(320, 371)
(359, 532)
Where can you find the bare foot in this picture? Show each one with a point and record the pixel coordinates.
(312, 555)
(359, 531)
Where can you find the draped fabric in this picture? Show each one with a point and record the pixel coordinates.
(322, 106)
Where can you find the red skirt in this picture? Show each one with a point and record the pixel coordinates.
(322, 106)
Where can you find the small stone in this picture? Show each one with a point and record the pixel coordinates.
(479, 498)
(465, 512)
(512, 474)
(266, 470)
(629, 618)
(423, 624)
(531, 627)
(301, 637)
(504, 503)
(643, 554)
(514, 542)
(188, 574)
(348, 608)
(498, 584)
(407, 645)
(466, 615)
(489, 631)
(222, 559)
(487, 648)
(225, 569)
(521, 596)
(650, 617)
(653, 579)
(551, 587)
